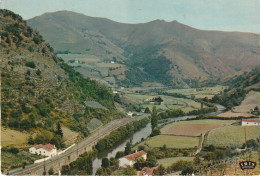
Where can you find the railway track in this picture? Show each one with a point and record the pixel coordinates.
(88, 142)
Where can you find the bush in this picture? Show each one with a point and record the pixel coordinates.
(155, 132)
(37, 39)
(30, 64)
(43, 138)
(13, 150)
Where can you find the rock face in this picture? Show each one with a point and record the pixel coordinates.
(165, 52)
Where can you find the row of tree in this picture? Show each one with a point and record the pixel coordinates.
(119, 134)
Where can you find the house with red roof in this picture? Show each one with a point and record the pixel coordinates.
(250, 122)
(46, 150)
(129, 160)
(146, 171)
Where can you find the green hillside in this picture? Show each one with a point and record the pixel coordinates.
(39, 89)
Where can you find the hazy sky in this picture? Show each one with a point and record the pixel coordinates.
(229, 15)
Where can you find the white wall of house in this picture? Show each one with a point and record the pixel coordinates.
(145, 156)
(32, 150)
(245, 123)
(123, 162)
(42, 151)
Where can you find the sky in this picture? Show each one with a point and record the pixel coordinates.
(225, 15)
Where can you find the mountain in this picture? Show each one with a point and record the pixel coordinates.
(169, 53)
(39, 90)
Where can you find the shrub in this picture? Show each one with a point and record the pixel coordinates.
(37, 39)
(30, 64)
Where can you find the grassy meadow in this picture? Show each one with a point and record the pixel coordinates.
(166, 162)
(172, 141)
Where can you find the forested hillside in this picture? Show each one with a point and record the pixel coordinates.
(239, 86)
(39, 89)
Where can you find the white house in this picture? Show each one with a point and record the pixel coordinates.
(250, 122)
(46, 150)
(130, 114)
(129, 160)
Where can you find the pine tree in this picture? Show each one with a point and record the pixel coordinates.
(128, 148)
(154, 118)
(59, 130)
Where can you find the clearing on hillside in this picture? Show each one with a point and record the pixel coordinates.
(250, 102)
(232, 135)
(172, 141)
(13, 137)
(193, 127)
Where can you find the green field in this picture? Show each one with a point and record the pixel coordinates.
(205, 122)
(166, 162)
(172, 141)
(168, 102)
(232, 135)
(199, 92)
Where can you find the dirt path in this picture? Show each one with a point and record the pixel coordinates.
(200, 144)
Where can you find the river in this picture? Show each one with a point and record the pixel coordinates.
(137, 137)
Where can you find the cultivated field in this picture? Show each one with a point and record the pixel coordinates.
(232, 135)
(230, 114)
(166, 162)
(172, 141)
(193, 127)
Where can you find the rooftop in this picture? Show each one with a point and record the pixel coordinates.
(48, 147)
(250, 120)
(135, 155)
(147, 171)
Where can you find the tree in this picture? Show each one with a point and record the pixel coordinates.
(196, 160)
(130, 171)
(59, 130)
(43, 138)
(105, 163)
(57, 141)
(128, 148)
(30, 141)
(154, 118)
(160, 171)
(147, 110)
(51, 172)
(155, 132)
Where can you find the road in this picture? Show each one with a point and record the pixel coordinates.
(82, 146)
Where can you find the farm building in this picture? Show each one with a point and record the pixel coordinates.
(129, 160)
(249, 122)
(146, 171)
(46, 150)
(130, 114)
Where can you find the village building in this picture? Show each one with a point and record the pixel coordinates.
(129, 160)
(250, 122)
(46, 150)
(146, 171)
(130, 114)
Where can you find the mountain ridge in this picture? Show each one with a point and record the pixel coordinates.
(195, 55)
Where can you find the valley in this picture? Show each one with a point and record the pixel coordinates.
(176, 99)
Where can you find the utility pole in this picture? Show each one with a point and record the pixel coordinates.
(44, 168)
